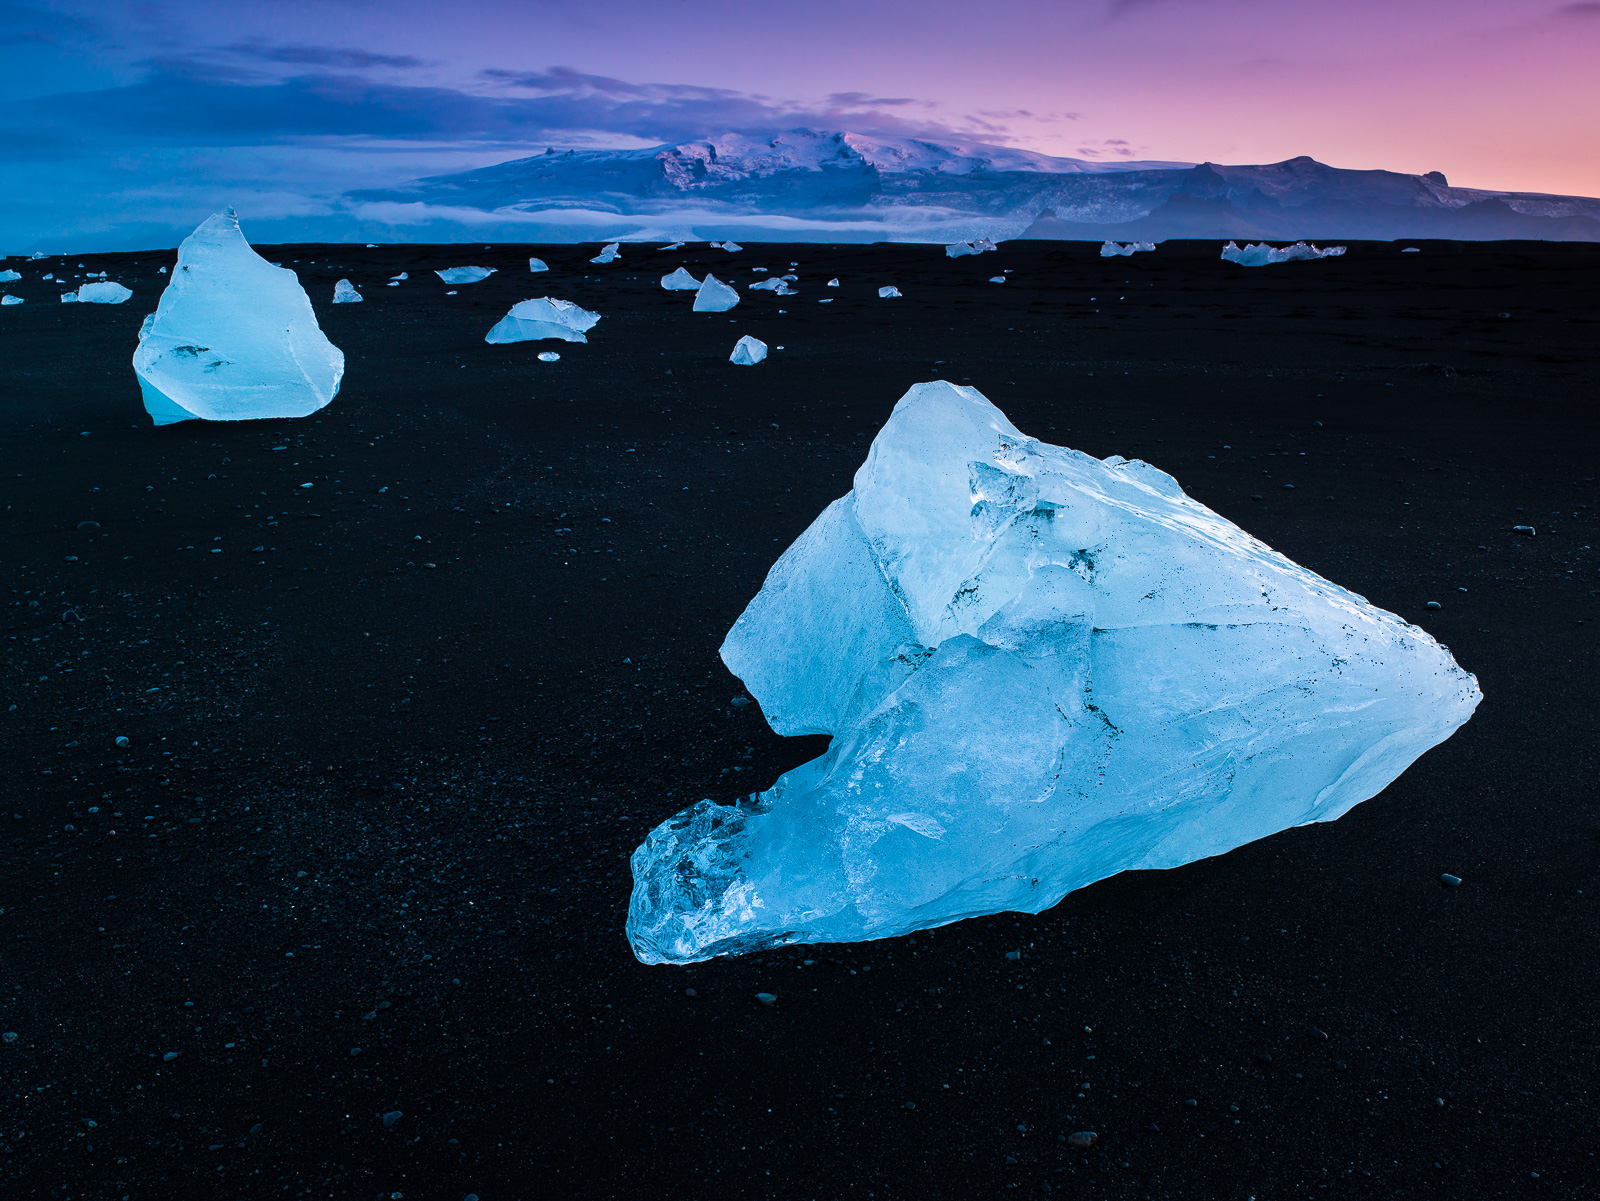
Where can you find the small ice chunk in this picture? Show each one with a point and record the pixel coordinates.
(1411, 250)
(344, 292)
(397, 278)
(537, 265)
(69, 298)
(1259, 254)
(748, 351)
(730, 247)
(1112, 249)
(997, 279)
(465, 275)
(547, 317)
(37, 254)
(715, 296)
(985, 244)
(956, 249)
(549, 356)
(161, 270)
(889, 292)
(680, 281)
(611, 253)
(10, 300)
(234, 338)
(1038, 669)
(777, 285)
(50, 276)
(674, 246)
(833, 283)
(7, 276)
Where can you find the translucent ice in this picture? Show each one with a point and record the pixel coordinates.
(537, 265)
(1112, 249)
(234, 338)
(776, 284)
(730, 246)
(715, 296)
(680, 281)
(957, 249)
(985, 244)
(394, 279)
(997, 279)
(465, 275)
(344, 292)
(547, 317)
(1038, 669)
(833, 283)
(7, 276)
(889, 293)
(611, 253)
(106, 292)
(1259, 254)
(549, 356)
(748, 351)
(10, 300)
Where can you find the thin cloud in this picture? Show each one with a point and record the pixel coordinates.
(342, 57)
(1584, 9)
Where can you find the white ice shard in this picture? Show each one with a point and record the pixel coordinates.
(549, 356)
(394, 279)
(889, 292)
(1259, 254)
(8, 299)
(38, 254)
(680, 281)
(7, 276)
(748, 351)
(730, 246)
(537, 265)
(105, 292)
(465, 275)
(1411, 250)
(344, 292)
(611, 253)
(547, 317)
(985, 244)
(957, 249)
(715, 296)
(1112, 249)
(997, 279)
(234, 338)
(776, 285)
(1038, 669)
(69, 298)
(833, 283)
(674, 246)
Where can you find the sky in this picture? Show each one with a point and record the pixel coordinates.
(124, 120)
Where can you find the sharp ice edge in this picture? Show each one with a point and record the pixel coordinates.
(233, 338)
(680, 281)
(1038, 669)
(611, 253)
(748, 351)
(1112, 249)
(344, 292)
(546, 317)
(1259, 254)
(715, 296)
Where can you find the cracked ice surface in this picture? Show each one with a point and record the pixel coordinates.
(233, 338)
(1038, 669)
(546, 317)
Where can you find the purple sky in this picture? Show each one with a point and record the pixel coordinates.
(122, 114)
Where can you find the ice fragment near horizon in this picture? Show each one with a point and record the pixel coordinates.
(612, 252)
(729, 246)
(776, 285)
(680, 281)
(1259, 254)
(547, 317)
(957, 249)
(10, 299)
(233, 338)
(833, 283)
(465, 275)
(889, 292)
(344, 292)
(674, 246)
(1038, 669)
(748, 351)
(537, 265)
(1112, 249)
(69, 298)
(715, 296)
(7, 276)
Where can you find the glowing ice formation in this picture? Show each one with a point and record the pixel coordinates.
(1259, 254)
(748, 351)
(344, 292)
(547, 317)
(537, 265)
(465, 275)
(611, 253)
(1038, 669)
(715, 296)
(680, 281)
(234, 338)
(890, 292)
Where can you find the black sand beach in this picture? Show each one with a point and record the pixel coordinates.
(392, 737)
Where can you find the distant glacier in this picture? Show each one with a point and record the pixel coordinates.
(814, 186)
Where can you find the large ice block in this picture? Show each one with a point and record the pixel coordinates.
(8, 275)
(1038, 669)
(233, 338)
(104, 292)
(344, 292)
(748, 351)
(715, 296)
(465, 275)
(547, 317)
(680, 281)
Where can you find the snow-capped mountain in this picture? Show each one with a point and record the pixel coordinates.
(805, 185)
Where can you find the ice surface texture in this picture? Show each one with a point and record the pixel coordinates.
(715, 296)
(1259, 254)
(1109, 250)
(680, 281)
(465, 275)
(234, 338)
(547, 317)
(1038, 669)
(344, 292)
(748, 351)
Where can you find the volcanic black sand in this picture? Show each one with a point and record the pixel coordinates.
(392, 737)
